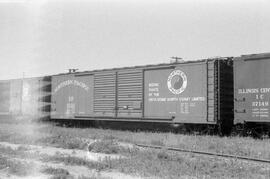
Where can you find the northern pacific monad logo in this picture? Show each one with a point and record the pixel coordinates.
(177, 82)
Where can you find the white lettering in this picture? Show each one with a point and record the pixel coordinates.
(244, 91)
(260, 103)
(153, 84)
(71, 82)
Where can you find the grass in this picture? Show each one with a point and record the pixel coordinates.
(63, 141)
(57, 173)
(165, 164)
(21, 152)
(24, 168)
(15, 167)
(149, 163)
(230, 145)
(92, 177)
(107, 146)
(74, 138)
(70, 160)
(60, 173)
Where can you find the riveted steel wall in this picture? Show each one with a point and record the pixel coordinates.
(252, 88)
(130, 93)
(105, 94)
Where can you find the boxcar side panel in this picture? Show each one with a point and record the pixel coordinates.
(62, 97)
(4, 97)
(179, 93)
(252, 90)
(71, 96)
(30, 95)
(35, 96)
(15, 97)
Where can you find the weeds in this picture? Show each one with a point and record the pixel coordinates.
(22, 148)
(58, 173)
(157, 142)
(107, 146)
(77, 138)
(92, 177)
(163, 155)
(69, 160)
(20, 152)
(164, 164)
(55, 171)
(149, 163)
(15, 167)
(64, 141)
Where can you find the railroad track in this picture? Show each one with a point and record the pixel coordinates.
(205, 153)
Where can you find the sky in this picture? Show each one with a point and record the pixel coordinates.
(43, 37)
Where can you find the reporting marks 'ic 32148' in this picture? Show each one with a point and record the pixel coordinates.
(209, 94)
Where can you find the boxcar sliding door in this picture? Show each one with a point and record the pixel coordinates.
(105, 94)
(129, 93)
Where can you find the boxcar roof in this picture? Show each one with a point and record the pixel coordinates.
(253, 56)
(145, 66)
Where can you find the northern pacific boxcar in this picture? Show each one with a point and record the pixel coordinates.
(252, 92)
(25, 97)
(192, 93)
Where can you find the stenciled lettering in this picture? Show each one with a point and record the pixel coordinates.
(71, 82)
(252, 90)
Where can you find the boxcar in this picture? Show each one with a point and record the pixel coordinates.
(252, 91)
(193, 92)
(25, 97)
(4, 97)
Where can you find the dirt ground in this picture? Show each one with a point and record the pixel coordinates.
(31, 159)
(74, 170)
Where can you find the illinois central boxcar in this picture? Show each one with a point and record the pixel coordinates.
(252, 92)
(189, 93)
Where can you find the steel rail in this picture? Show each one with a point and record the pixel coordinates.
(205, 153)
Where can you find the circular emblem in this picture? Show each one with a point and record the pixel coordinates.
(177, 82)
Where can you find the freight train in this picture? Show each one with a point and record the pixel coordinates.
(211, 94)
